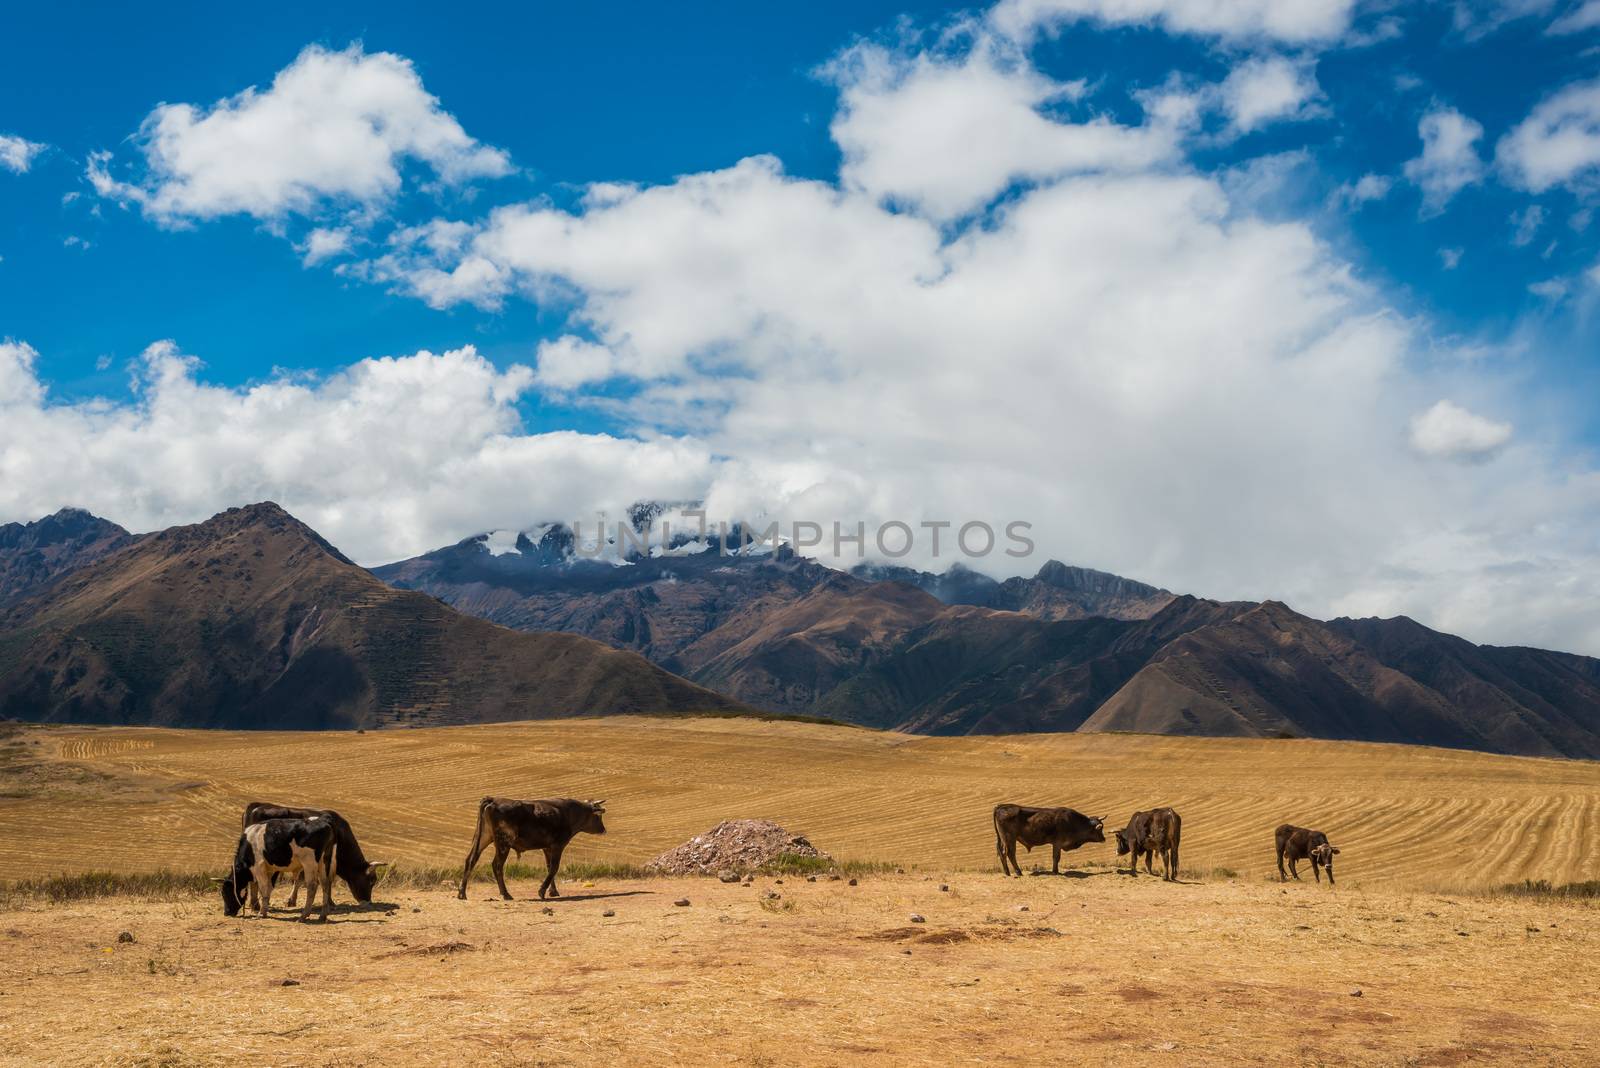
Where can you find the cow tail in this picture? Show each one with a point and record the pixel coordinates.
(483, 821)
(999, 846)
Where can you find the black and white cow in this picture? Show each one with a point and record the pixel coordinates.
(351, 864)
(302, 848)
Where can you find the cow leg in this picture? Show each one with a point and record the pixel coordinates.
(1316, 869)
(1149, 856)
(263, 883)
(552, 862)
(476, 851)
(1294, 869)
(1133, 863)
(501, 851)
(1282, 876)
(326, 875)
(1011, 851)
(1055, 859)
(299, 881)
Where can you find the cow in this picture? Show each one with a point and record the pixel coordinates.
(358, 873)
(1148, 833)
(548, 825)
(1061, 827)
(304, 848)
(1297, 844)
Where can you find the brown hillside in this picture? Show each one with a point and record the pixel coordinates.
(1271, 672)
(252, 620)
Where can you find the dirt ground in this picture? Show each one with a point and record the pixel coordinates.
(1088, 969)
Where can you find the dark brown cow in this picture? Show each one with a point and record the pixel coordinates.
(1148, 833)
(1062, 828)
(1297, 844)
(353, 867)
(548, 825)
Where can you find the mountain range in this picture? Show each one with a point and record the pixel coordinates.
(253, 620)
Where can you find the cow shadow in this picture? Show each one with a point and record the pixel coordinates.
(1157, 877)
(1070, 873)
(535, 899)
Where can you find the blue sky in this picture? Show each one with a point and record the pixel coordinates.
(1393, 157)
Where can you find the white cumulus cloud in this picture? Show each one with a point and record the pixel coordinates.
(1449, 161)
(1557, 144)
(333, 126)
(324, 243)
(1269, 89)
(1293, 21)
(948, 134)
(1451, 432)
(1364, 190)
(17, 154)
(385, 458)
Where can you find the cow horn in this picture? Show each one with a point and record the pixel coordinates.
(597, 804)
(216, 879)
(376, 864)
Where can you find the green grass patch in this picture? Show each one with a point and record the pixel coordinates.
(61, 889)
(1543, 888)
(795, 864)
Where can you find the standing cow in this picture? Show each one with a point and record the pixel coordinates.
(521, 825)
(354, 868)
(1148, 833)
(1297, 844)
(302, 848)
(1062, 828)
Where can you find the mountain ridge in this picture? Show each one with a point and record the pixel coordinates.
(253, 619)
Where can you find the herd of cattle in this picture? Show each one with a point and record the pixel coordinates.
(314, 845)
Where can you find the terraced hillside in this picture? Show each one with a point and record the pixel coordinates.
(1405, 817)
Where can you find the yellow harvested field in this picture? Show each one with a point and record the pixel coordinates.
(1403, 817)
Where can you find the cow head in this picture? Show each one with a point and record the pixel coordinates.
(363, 880)
(594, 824)
(1122, 843)
(1323, 855)
(232, 900)
(1098, 825)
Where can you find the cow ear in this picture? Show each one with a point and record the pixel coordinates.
(1336, 851)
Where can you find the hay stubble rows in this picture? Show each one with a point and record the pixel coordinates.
(1403, 816)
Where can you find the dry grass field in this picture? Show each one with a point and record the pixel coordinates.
(1226, 967)
(1403, 817)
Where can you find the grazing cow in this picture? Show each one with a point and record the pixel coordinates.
(304, 848)
(1148, 833)
(1297, 844)
(354, 868)
(548, 825)
(1061, 827)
